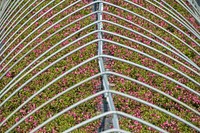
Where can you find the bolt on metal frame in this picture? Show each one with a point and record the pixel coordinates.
(8, 9)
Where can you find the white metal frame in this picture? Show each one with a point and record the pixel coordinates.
(8, 9)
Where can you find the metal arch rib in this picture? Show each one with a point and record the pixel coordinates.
(8, 7)
(180, 2)
(39, 72)
(17, 13)
(36, 28)
(162, 19)
(8, 15)
(112, 57)
(153, 71)
(118, 93)
(115, 130)
(54, 52)
(40, 33)
(11, 26)
(57, 44)
(175, 13)
(90, 78)
(143, 18)
(105, 83)
(193, 10)
(151, 23)
(56, 79)
(159, 27)
(151, 38)
(177, 18)
(146, 36)
(147, 55)
(29, 24)
(56, 32)
(63, 48)
(39, 92)
(44, 30)
(17, 76)
(43, 54)
(80, 65)
(4, 5)
(189, 61)
(4, 73)
(89, 120)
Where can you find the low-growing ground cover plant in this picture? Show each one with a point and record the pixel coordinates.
(130, 28)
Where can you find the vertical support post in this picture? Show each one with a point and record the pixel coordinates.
(108, 103)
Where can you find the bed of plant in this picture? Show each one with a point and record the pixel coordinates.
(93, 107)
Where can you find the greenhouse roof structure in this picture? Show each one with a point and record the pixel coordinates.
(88, 66)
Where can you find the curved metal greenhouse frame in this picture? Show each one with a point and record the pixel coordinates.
(99, 66)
